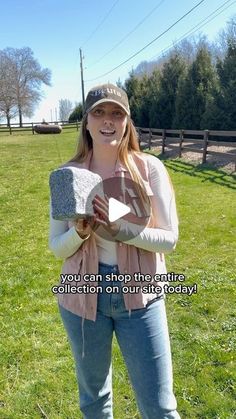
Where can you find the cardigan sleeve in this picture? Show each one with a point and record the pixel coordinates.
(63, 241)
(163, 238)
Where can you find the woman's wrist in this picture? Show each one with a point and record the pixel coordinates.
(82, 235)
(114, 229)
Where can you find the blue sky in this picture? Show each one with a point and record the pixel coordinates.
(55, 30)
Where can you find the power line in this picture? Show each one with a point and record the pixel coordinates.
(101, 23)
(147, 45)
(198, 26)
(191, 31)
(128, 34)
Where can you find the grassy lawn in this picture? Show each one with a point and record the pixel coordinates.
(37, 372)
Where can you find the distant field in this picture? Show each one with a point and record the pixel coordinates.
(37, 374)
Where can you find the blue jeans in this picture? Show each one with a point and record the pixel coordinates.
(144, 342)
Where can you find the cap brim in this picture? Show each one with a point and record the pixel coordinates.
(108, 100)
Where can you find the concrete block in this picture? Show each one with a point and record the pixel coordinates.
(72, 192)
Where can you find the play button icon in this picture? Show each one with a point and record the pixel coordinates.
(117, 210)
(124, 206)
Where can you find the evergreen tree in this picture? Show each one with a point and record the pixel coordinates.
(152, 99)
(144, 102)
(77, 113)
(164, 109)
(195, 91)
(221, 109)
(132, 88)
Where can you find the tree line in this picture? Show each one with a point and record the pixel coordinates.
(193, 87)
(21, 77)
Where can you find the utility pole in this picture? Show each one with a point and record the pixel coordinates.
(82, 77)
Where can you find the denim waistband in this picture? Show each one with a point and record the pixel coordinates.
(104, 268)
(105, 265)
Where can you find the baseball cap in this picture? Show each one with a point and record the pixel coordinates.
(107, 93)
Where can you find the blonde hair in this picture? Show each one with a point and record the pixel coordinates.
(127, 147)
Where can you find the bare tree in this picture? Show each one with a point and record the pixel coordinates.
(8, 108)
(225, 36)
(187, 48)
(65, 108)
(26, 77)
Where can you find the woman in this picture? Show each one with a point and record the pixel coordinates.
(108, 146)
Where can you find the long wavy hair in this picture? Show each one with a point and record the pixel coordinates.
(127, 147)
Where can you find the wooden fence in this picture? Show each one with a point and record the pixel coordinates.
(29, 126)
(180, 140)
(189, 140)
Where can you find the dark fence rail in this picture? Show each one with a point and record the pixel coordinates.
(189, 140)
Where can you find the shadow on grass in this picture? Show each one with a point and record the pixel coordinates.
(206, 172)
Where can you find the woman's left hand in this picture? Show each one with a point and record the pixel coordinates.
(101, 209)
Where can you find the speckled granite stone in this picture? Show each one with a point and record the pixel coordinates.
(72, 192)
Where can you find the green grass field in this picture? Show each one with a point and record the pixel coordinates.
(37, 375)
